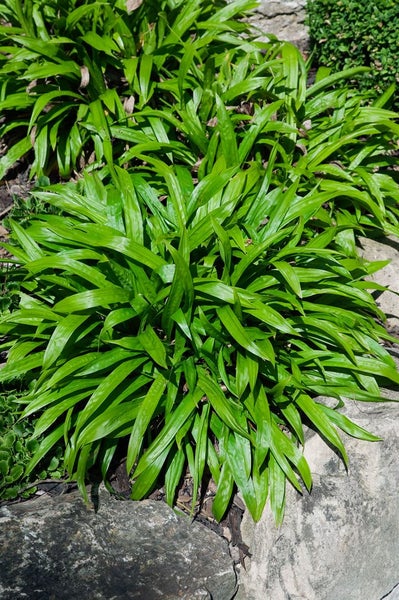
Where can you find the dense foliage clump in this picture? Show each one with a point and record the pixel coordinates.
(195, 289)
(352, 33)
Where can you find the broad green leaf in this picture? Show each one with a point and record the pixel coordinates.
(293, 418)
(240, 335)
(227, 134)
(145, 73)
(348, 426)
(261, 488)
(144, 481)
(261, 119)
(284, 446)
(216, 290)
(69, 264)
(60, 337)
(56, 407)
(227, 411)
(201, 448)
(93, 298)
(131, 206)
(32, 249)
(102, 361)
(83, 465)
(162, 442)
(153, 346)
(45, 99)
(117, 419)
(173, 475)
(290, 276)
(104, 391)
(99, 236)
(239, 460)
(224, 492)
(327, 81)
(316, 416)
(181, 291)
(100, 42)
(21, 367)
(143, 419)
(52, 69)
(265, 313)
(21, 350)
(277, 490)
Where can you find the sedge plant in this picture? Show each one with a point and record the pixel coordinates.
(193, 298)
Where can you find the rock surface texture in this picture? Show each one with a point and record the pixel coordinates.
(59, 549)
(341, 541)
(388, 301)
(284, 19)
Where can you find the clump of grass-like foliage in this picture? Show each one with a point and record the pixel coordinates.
(200, 289)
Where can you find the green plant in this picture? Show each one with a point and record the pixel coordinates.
(17, 448)
(205, 342)
(198, 295)
(70, 70)
(354, 33)
(9, 287)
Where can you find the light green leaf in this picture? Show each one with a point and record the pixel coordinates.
(290, 276)
(21, 367)
(347, 425)
(93, 298)
(224, 492)
(240, 335)
(102, 393)
(176, 421)
(227, 411)
(173, 475)
(316, 415)
(153, 346)
(100, 42)
(143, 419)
(60, 337)
(227, 134)
(277, 490)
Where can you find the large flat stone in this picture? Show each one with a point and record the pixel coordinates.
(341, 542)
(59, 549)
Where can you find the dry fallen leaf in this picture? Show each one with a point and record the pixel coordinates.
(132, 5)
(84, 77)
(128, 105)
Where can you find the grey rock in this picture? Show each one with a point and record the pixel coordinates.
(283, 18)
(58, 548)
(388, 301)
(341, 541)
(393, 594)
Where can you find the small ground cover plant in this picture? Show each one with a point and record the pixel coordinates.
(354, 33)
(17, 447)
(199, 288)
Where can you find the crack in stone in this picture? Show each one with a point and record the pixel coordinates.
(275, 14)
(395, 587)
